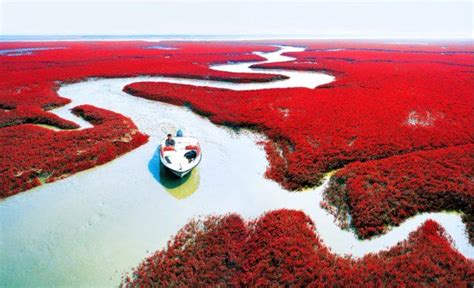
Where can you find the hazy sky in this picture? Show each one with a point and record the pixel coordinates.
(324, 19)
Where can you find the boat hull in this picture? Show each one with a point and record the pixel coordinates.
(173, 158)
(180, 174)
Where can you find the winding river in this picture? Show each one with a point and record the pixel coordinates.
(90, 228)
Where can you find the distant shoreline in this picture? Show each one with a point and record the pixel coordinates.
(36, 38)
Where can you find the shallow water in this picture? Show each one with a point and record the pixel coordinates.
(90, 228)
(161, 47)
(25, 51)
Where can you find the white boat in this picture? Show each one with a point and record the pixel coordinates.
(182, 157)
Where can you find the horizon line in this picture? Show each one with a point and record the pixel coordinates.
(224, 36)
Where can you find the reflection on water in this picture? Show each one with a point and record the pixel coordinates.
(179, 188)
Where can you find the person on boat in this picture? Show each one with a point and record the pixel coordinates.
(169, 140)
(191, 155)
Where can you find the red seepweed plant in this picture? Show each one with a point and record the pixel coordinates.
(282, 248)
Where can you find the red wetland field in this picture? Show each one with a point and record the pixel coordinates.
(394, 132)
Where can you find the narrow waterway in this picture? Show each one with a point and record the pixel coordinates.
(90, 228)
